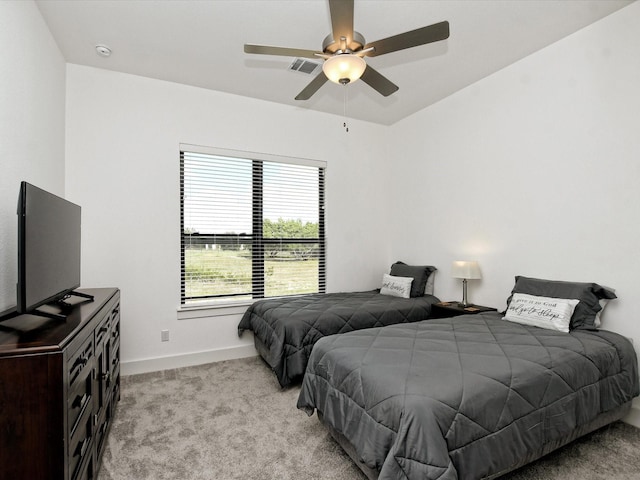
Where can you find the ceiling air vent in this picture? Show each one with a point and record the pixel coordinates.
(304, 66)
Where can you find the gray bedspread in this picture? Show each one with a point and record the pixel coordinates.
(466, 397)
(289, 327)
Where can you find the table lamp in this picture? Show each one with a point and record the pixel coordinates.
(466, 270)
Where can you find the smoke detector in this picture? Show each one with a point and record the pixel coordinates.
(103, 50)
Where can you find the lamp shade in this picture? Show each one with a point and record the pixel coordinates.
(344, 68)
(465, 269)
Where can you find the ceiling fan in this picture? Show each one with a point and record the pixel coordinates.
(343, 51)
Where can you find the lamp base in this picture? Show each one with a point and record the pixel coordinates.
(464, 303)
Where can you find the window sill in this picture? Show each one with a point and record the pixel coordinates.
(211, 310)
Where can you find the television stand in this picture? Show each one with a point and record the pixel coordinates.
(63, 303)
(7, 314)
(59, 386)
(65, 307)
(53, 316)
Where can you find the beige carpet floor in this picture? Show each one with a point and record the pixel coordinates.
(230, 420)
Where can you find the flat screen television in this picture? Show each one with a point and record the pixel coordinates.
(48, 249)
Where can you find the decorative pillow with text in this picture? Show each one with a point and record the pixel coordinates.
(543, 312)
(420, 275)
(589, 294)
(396, 286)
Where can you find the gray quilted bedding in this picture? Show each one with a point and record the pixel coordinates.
(288, 328)
(466, 397)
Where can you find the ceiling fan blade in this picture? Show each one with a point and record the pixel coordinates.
(283, 51)
(413, 38)
(313, 87)
(341, 19)
(378, 82)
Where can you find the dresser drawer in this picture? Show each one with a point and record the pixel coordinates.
(80, 361)
(115, 323)
(104, 423)
(80, 445)
(115, 360)
(103, 330)
(80, 397)
(80, 384)
(115, 313)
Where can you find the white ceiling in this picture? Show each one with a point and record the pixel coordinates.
(200, 43)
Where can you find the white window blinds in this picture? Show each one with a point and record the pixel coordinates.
(250, 227)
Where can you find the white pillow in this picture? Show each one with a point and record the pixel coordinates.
(396, 286)
(543, 312)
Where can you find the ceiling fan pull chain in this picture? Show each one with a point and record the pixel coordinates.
(344, 109)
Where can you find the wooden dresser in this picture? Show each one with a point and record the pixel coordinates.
(59, 385)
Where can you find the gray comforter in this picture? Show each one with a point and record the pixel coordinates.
(466, 397)
(288, 328)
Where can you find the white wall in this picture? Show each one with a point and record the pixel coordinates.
(32, 90)
(123, 135)
(534, 171)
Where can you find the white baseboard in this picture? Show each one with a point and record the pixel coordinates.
(186, 360)
(633, 417)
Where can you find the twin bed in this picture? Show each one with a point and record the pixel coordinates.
(286, 329)
(473, 396)
(467, 397)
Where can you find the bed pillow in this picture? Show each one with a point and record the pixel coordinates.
(428, 289)
(589, 295)
(603, 303)
(396, 286)
(420, 275)
(544, 312)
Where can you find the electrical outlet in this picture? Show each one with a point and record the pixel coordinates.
(164, 335)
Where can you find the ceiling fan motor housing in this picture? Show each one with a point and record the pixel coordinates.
(330, 46)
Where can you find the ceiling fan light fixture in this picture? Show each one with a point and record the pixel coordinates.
(344, 68)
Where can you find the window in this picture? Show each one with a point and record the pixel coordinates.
(252, 226)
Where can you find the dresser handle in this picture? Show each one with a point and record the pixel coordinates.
(80, 400)
(82, 448)
(80, 362)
